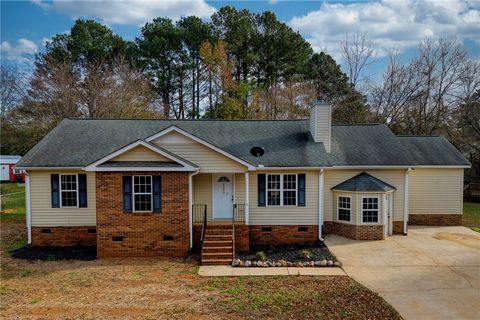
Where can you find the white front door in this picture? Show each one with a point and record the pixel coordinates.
(222, 196)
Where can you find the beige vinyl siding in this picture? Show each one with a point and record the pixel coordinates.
(206, 158)
(140, 153)
(43, 215)
(336, 176)
(436, 191)
(202, 190)
(286, 215)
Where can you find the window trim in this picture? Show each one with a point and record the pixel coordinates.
(61, 190)
(281, 190)
(134, 193)
(378, 210)
(338, 208)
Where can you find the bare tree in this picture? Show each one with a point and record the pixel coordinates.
(357, 52)
(12, 88)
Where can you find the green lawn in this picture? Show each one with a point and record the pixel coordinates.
(471, 215)
(12, 201)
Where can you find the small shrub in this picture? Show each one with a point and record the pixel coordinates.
(305, 253)
(261, 256)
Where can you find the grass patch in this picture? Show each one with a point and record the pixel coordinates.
(12, 201)
(471, 215)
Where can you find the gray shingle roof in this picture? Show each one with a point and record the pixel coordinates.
(364, 182)
(432, 150)
(287, 143)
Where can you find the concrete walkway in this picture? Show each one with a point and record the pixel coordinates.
(227, 271)
(433, 273)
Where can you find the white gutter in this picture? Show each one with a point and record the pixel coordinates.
(398, 167)
(405, 201)
(27, 207)
(190, 203)
(320, 203)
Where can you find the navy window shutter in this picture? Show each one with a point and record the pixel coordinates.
(82, 190)
(301, 190)
(261, 190)
(55, 183)
(127, 193)
(157, 194)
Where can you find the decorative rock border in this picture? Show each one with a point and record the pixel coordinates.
(284, 263)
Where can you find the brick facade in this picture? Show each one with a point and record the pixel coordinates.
(64, 236)
(435, 219)
(121, 234)
(269, 234)
(356, 232)
(397, 227)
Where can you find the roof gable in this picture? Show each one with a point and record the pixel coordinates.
(130, 155)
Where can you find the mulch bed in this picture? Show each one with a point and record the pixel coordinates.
(290, 252)
(55, 253)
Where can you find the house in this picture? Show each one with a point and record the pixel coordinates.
(7, 168)
(143, 187)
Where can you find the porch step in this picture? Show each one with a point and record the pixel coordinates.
(210, 249)
(218, 232)
(212, 262)
(218, 236)
(217, 255)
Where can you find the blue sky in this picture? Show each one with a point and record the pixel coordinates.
(400, 24)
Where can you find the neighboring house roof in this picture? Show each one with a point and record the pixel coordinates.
(9, 159)
(364, 182)
(287, 143)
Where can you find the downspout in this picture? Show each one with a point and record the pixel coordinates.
(27, 207)
(320, 204)
(190, 204)
(247, 198)
(405, 201)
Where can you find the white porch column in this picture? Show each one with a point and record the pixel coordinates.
(320, 202)
(27, 207)
(190, 205)
(405, 201)
(247, 198)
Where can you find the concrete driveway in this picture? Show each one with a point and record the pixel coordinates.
(433, 273)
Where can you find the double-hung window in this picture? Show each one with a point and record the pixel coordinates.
(142, 193)
(344, 208)
(370, 208)
(69, 190)
(282, 189)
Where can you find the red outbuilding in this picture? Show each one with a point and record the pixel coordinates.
(7, 169)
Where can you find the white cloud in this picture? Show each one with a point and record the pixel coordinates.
(22, 51)
(389, 23)
(129, 12)
(272, 2)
